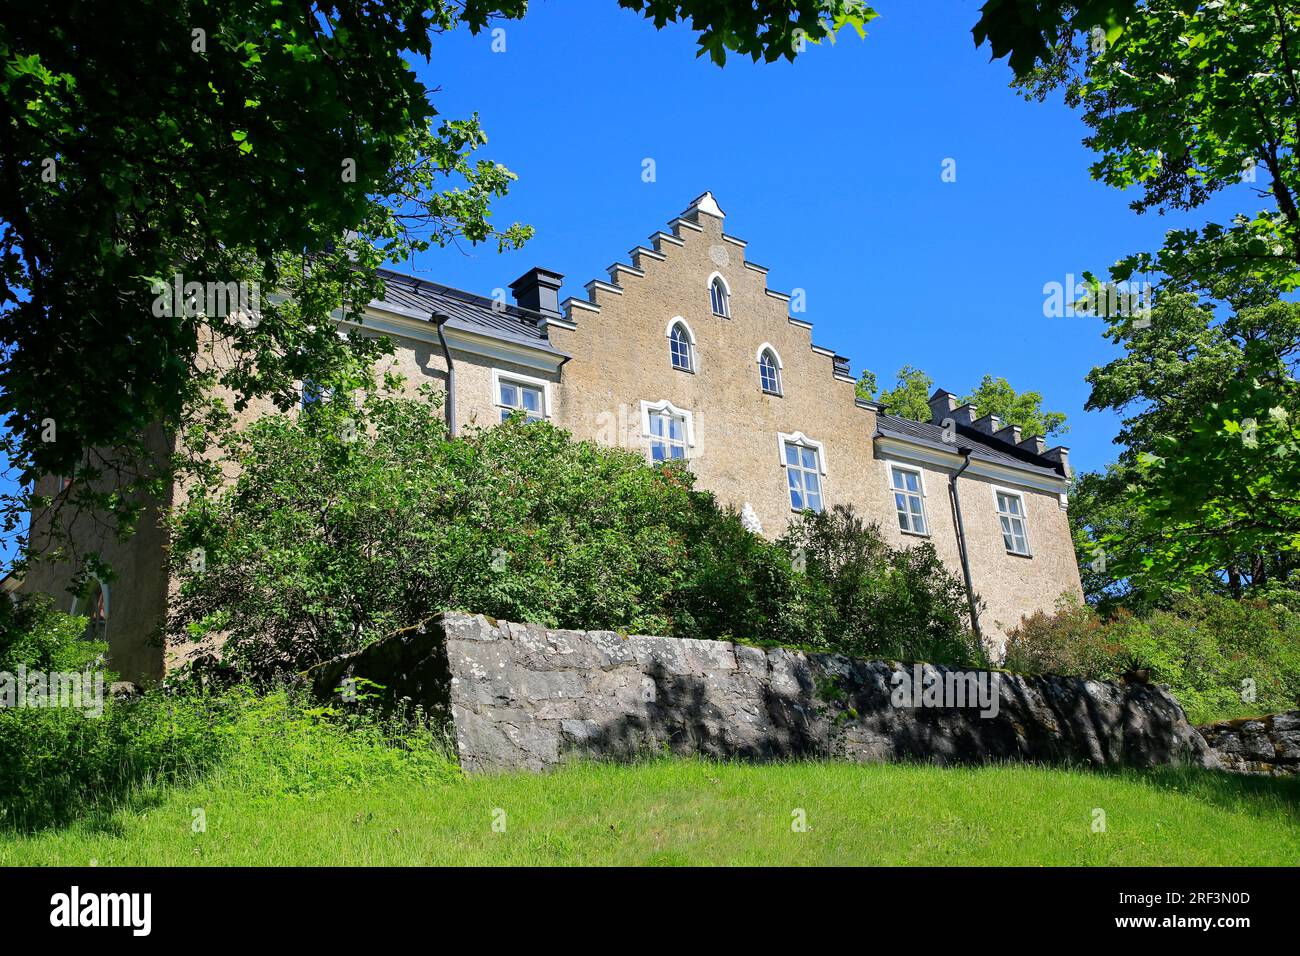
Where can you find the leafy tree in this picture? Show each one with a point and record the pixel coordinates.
(866, 385)
(768, 31)
(1028, 31)
(285, 147)
(995, 396)
(1204, 494)
(909, 398)
(1184, 101)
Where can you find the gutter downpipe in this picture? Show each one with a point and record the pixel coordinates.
(440, 321)
(961, 542)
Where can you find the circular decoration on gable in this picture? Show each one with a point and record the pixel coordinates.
(718, 253)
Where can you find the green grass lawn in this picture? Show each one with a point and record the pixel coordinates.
(701, 813)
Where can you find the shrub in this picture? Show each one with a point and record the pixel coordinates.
(60, 762)
(33, 633)
(1214, 653)
(351, 522)
(362, 517)
(1074, 641)
(862, 597)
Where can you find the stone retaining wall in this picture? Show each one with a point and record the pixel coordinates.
(1258, 745)
(521, 696)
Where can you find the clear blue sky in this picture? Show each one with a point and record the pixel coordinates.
(829, 168)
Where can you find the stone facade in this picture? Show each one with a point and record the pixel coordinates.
(1268, 745)
(603, 362)
(522, 697)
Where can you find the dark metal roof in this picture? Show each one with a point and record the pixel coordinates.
(421, 299)
(983, 447)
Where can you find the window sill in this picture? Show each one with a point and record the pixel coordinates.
(1019, 554)
(914, 534)
(531, 418)
(773, 394)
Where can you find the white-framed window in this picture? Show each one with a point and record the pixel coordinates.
(769, 369)
(667, 437)
(93, 603)
(521, 393)
(669, 431)
(681, 345)
(720, 296)
(804, 461)
(1011, 515)
(908, 487)
(313, 394)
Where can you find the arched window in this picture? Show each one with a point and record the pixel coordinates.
(769, 371)
(93, 604)
(680, 347)
(719, 295)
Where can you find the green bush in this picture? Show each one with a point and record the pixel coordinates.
(33, 633)
(1214, 653)
(1075, 641)
(60, 762)
(362, 517)
(862, 597)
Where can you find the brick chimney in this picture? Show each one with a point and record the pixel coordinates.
(1034, 443)
(963, 415)
(989, 424)
(538, 289)
(941, 405)
(1061, 456)
(1009, 433)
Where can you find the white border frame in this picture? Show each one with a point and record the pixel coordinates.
(108, 603)
(780, 369)
(664, 405)
(890, 465)
(799, 438)
(690, 334)
(726, 286)
(498, 374)
(1024, 519)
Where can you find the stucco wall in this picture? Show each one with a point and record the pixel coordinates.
(621, 358)
(136, 591)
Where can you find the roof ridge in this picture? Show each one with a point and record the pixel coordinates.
(477, 298)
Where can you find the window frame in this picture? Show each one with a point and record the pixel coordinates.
(323, 395)
(802, 441)
(666, 407)
(892, 466)
(767, 348)
(715, 280)
(692, 357)
(1023, 517)
(519, 381)
(93, 617)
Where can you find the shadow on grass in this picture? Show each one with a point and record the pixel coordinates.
(1259, 796)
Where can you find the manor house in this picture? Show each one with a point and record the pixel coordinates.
(685, 353)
